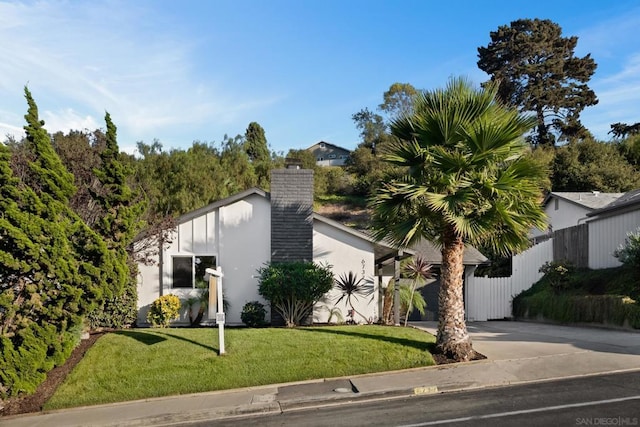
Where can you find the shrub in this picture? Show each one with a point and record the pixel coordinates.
(253, 314)
(558, 274)
(629, 253)
(293, 288)
(117, 312)
(164, 310)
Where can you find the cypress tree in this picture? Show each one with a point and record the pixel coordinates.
(35, 297)
(122, 209)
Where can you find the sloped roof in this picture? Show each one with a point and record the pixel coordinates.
(431, 253)
(381, 249)
(588, 199)
(222, 202)
(327, 145)
(626, 200)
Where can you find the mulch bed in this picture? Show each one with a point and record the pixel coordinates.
(34, 402)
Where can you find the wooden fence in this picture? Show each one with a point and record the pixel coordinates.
(572, 245)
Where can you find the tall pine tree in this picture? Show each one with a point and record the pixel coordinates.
(538, 72)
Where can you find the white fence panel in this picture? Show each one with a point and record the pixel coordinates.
(490, 297)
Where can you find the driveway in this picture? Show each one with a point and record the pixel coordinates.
(503, 340)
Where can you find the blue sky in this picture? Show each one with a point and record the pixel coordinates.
(180, 71)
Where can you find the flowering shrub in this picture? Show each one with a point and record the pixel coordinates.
(558, 274)
(163, 311)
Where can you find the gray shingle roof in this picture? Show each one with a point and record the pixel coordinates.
(626, 200)
(589, 199)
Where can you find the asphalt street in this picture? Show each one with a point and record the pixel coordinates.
(612, 399)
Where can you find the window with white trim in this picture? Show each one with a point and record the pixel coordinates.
(189, 268)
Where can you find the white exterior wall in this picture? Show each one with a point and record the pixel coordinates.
(245, 246)
(491, 297)
(607, 234)
(148, 288)
(238, 235)
(344, 252)
(332, 162)
(567, 215)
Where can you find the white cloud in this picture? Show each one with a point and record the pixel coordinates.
(80, 59)
(68, 119)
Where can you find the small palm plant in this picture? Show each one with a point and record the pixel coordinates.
(351, 288)
(419, 271)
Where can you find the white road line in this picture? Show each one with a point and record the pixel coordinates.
(524, 411)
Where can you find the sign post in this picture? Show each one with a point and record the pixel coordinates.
(216, 306)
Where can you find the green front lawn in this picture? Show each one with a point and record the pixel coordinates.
(143, 363)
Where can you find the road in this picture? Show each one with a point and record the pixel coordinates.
(612, 399)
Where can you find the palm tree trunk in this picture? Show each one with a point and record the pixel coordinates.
(453, 340)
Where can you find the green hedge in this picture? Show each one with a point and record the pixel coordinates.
(603, 309)
(28, 356)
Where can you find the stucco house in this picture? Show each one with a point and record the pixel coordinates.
(329, 154)
(244, 232)
(566, 209)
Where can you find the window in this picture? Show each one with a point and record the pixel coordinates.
(332, 156)
(189, 268)
(555, 204)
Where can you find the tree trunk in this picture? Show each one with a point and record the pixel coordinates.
(453, 340)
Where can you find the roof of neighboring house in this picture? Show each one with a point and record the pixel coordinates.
(327, 146)
(589, 200)
(431, 253)
(627, 200)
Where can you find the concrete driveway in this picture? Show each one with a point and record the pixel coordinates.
(503, 340)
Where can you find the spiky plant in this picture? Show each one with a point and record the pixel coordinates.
(351, 287)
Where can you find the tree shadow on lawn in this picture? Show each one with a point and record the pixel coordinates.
(420, 345)
(143, 337)
(154, 338)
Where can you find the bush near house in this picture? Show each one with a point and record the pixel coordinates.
(253, 314)
(164, 310)
(293, 288)
(608, 297)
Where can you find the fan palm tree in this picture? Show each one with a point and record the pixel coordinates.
(467, 181)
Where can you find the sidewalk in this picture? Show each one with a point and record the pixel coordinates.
(517, 352)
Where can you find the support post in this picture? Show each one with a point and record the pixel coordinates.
(396, 289)
(380, 294)
(215, 290)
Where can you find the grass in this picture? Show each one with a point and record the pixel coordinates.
(354, 201)
(144, 363)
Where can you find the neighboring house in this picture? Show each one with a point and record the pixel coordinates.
(600, 232)
(566, 209)
(609, 227)
(328, 154)
(248, 230)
